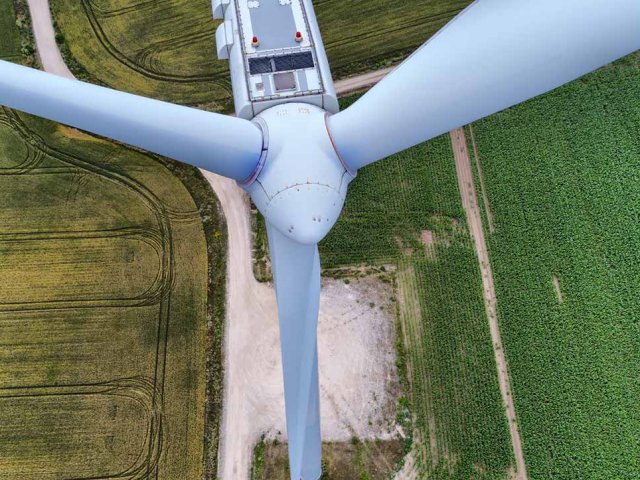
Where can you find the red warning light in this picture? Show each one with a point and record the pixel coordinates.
(255, 41)
(298, 36)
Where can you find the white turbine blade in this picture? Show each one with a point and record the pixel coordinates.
(218, 143)
(296, 272)
(493, 55)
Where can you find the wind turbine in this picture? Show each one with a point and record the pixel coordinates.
(296, 155)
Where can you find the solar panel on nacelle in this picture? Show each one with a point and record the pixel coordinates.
(293, 61)
(281, 63)
(260, 65)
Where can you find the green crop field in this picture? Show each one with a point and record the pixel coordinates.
(9, 34)
(167, 49)
(563, 184)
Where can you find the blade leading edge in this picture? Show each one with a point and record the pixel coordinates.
(495, 54)
(296, 272)
(219, 143)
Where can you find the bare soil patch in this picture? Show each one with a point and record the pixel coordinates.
(408, 470)
(359, 82)
(78, 134)
(427, 238)
(556, 286)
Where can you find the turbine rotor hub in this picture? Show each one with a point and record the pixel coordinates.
(302, 183)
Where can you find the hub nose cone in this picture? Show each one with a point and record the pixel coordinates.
(305, 213)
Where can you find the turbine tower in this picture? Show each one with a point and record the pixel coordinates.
(296, 155)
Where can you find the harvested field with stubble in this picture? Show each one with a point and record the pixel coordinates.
(166, 49)
(103, 307)
(561, 177)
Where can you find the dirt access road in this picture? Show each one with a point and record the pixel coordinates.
(48, 51)
(359, 82)
(474, 219)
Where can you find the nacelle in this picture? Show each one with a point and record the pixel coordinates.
(275, 54)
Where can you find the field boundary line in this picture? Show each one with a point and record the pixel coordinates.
(485, 197)
(474, 219)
